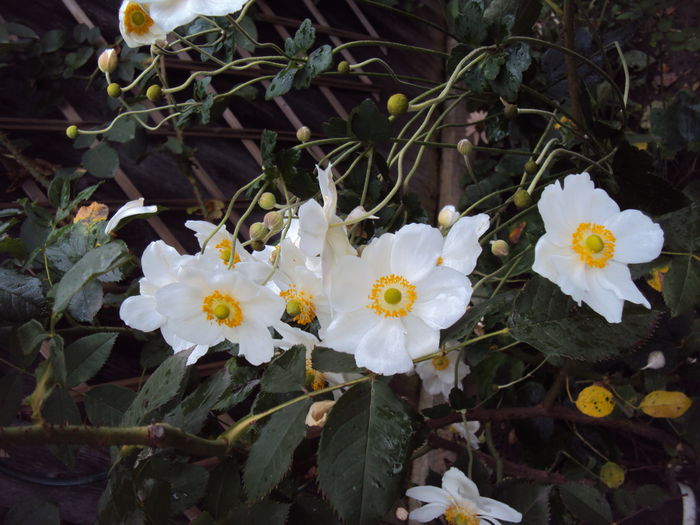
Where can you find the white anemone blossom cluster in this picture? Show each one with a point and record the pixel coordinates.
(144, 23)
(386, 306)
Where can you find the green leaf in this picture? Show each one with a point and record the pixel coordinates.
(29, 337)
(281, 84)
(271, 455)
(52, 40)
(363, 450)
(328, 360)
(531, 500)
(196, 406)
(106, 404)
(681, 229)
(21, 297)
(242, 383)
(681, 285)
(287, 373)
(101, 161)
(551, 322)
(268, 142)
(165, 384)
(60, 409)
(318, 62)
(470, 26)
(11, 394)
(93, 264)
(85, 357)
(223, 489)
(304, 37)
(154, 496)
(123, 131)
(86, 302)
(677, 126)
(33, 511)
(368, 124)
(508, 81)
(586, 503)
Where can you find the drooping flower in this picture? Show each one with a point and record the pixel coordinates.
(589, 242)
(130, 209)
(461, 247)
(391, 303)
(467, 432)
(459, 501)
(207, 305)
(438, 374)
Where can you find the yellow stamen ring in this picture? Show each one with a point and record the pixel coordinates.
(136, 20)
(392, 296)
(456, 515)
(300, 305)
(225, 249)
(222, 309)
(594, 243)
(440, 362)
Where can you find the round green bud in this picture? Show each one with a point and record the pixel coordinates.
(510, 111)
(154, 92)
(221, 311)
(257, 246)
(258, 231)
(303, 134)
(72, 132)
(531, 167)
(293, 308)
(465, 147)
(397, 104)
(612, 475)
(392, 295)
(595, 243)
(344, 67)
(113, 90)
(274, 221)
(500, 248)
(522, 199)
(267, 200)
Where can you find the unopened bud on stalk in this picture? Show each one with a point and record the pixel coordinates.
(465, 147)
(257, 246)
(72, 132)
(397, 104)
(154, 92)
(303, 134)
(401, 514)
(522, 199)
(344, 67)
(500, 248)
(655, 361)
(274, 221)
(531, 167)
(108, 60)
(113, 90)
(267, 200)
(510, 111)
(258, 231)
(447, 216)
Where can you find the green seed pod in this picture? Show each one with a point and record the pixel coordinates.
(522, 199)
(267, 201)
(531, 167)
(303, 134)
(397, 104)
(113, 90)
(257, 246)
(72, 132)
(510, 111)
(258, 231)
(154, 92)
(344, 67)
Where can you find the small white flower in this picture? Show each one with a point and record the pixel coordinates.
(461, 247)
(589, 242)
(390, 304)
(438, 374)
(130, 209)
(459, 501)
(467, 432)
(448, 216)
(655, 361)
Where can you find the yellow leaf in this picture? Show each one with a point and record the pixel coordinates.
(595, 401)
(612, 475)
(661, 403)
(656, 279)
(91, 214)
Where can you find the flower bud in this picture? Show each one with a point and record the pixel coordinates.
(72, 132)
(531, 167)
(401, 514)
(447, 216)
(303, 134)
(344, 67)
(108, 60)
(500, 248)
(154, 92)
(465, 147)
(113, 90)
(397, 104)
(258, 231)
(257, 246)
(510, 111)
(318, 413)
(522, 199)
(612, 475)
(267, 201)
(273, 221)
(655, 361)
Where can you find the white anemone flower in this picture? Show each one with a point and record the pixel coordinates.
(160, 264)
(459, 501)
(391, 303)
(461, 247)
(130, 209)
(207, 306)
(136, 25)
(467, 432)
(589, 242)
(438, 374)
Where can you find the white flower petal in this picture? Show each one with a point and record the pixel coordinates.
(604, 301)
(442, 297)
(459, 486)
(346, 330)
(197, 352)
(197, 329)
(177, 343)
(421, 339)
(352, 280)
(130, 209)
(313, 226)
(562, 266)
(378, 252)
(160, 262)
(637, 238)
(179, 301)
(429, 494)
(416, 250)
(254, 343)
(461, 248)
(427, 512)
(495, 509)
(216, 7)
(328, 191)
(382, 348)
(140, 312)
(616, 277)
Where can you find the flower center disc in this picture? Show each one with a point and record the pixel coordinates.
(440, 362)
(300, 305)
(456, 515)
(222, 309)
(392, 296)
(594, 244)
(224, 248)
(136, 19)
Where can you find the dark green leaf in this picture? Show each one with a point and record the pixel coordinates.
(60, 409)
(223, 489)
(281, 84)
(271, 455)
(242, 383)
(287, 373)
(106, 404)
(318, 62)
(551, 322)
(304, 37)
(470, 319)
(369, 124)
(586, 503)
(21, 297)
(681, 229)
(469, 23)
(677, 125)
(681, 285)
(11, 394)
(52, 40)
(335, 127)
(268, 142)
(101, 161)
(267, 512)
(362, 454)
(85, 357)
(650, 496)
(328, 360)
(312, 509)
(532, 501)
(86, 302)
(30, 336)
(33, 511)
(196, 406)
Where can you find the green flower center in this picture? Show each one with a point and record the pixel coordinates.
(392, 295)
(221, 311)
(293, 307)
(595, 243)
